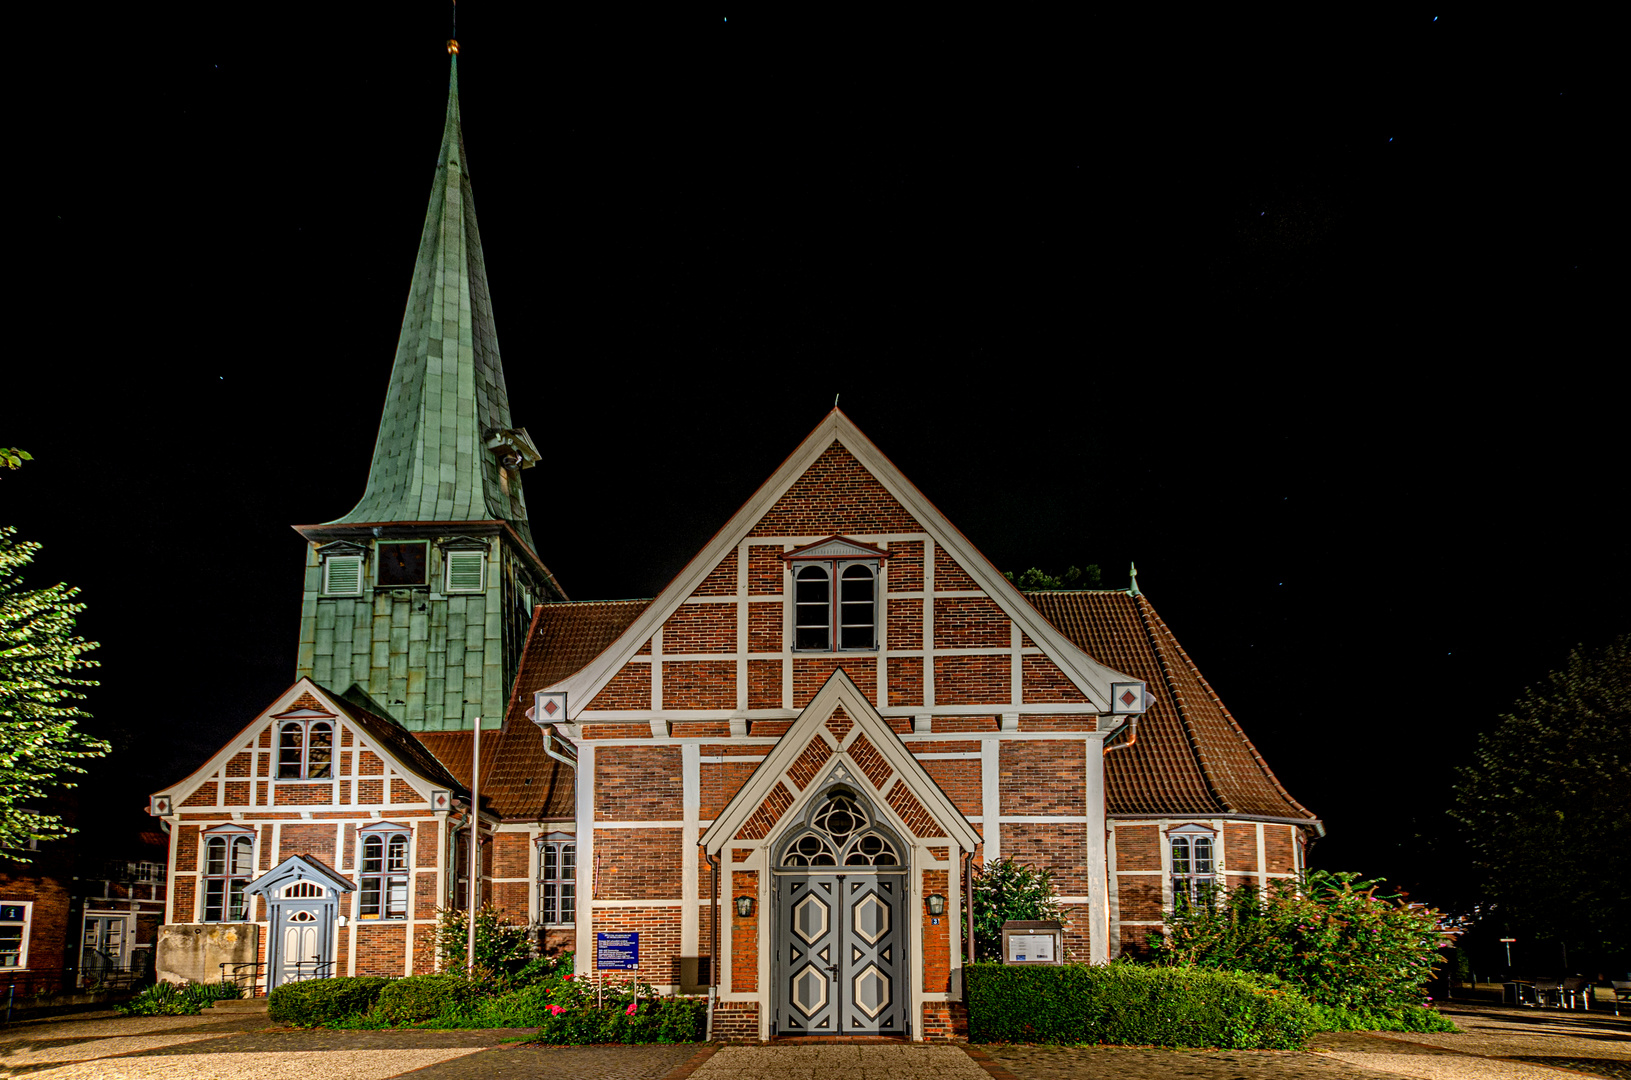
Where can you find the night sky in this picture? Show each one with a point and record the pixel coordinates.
(1311, 321)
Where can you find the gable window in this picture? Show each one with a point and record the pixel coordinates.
(557, 880)
(384, 873)
(229, 864)
(14, 934)
(835, 596)
(342, 575)
(1193, 868)
(402, 564)
(305, 750)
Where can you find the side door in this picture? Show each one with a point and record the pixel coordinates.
(103, 950)
(809, 921)
(302, 929)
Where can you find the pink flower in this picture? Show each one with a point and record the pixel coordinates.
(555, 1009)
(630, 1010)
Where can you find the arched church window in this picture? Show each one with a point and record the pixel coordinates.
(384, 873)
(812, 587)
(841, 833)
(305, 750)
(229, 865)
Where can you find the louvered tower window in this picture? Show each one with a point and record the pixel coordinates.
(466, 571)
(342, 575)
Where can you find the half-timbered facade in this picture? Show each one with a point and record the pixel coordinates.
(780, 772)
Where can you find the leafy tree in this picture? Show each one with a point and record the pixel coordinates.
(40, 743)
(1004, 890)
(1546, 808)
(13, 458)
(501, 949)
(1073, 578)
(1331, 935)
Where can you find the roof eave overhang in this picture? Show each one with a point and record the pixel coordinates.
(414, 530)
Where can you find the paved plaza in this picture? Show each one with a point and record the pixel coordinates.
(240, 1044)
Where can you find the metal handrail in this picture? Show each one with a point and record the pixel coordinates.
(303, 970)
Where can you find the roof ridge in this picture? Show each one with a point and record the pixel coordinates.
(1177, 701)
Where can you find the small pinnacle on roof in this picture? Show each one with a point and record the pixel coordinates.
(453, 46)
(1132, 590)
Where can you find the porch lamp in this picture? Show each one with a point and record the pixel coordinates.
(937, 905)
(744, 906)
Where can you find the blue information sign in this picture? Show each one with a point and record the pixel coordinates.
(617, 952)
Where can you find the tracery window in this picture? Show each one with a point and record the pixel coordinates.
(229, 865)
(557, 881)
(383, 870)
(1193, 868)
(842, 833)
(305, 750)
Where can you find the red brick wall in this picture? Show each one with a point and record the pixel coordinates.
(936, 939)
(913, 812)
(959, 779)
(186, 847)
(1278, 848)
(424, 949)
(183, 907)
(314, 840)
(744, 973)
(639, 864)
(1140, 897)
(1060, 847)
(371, 792)
(637, 783)
(969, 623)
(239, 765)
(237, 793)
(629, 689)
(810, 674)
(736, 1021)
(905, 567)
(1138, 847)
(1044, 682)
(317, 794)
(1042, 777)
(948, 576)
(764, 570)
(204, 796)
(403, 792)
(699, 684)
(906, 623)
(764, 684)
(381, 948)
(1078, 937)
(721, 582)
(369, 764)
(1058, 723)
(905, 680)
(868, 759)
(809, 762)
(764, 627)
(1240, 846)
(758, 826)
(512, 852)
(972, 680)
(835, 495)
(720, 783)
(44, 881)
(701, 628)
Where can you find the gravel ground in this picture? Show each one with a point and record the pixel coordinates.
(832, 1060)
(1130, 1063)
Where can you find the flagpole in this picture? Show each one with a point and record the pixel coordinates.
(475, 850)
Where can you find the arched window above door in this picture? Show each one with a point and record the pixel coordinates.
(842, 830)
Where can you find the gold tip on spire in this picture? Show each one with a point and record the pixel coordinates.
(453, 46)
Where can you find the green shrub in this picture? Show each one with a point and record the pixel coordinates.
(1330, 935)
(1129, 1004)
(318, 1001)
(502, 949)
(1396, 1018)
(1004, 890)
(173, 999)
(418, 998)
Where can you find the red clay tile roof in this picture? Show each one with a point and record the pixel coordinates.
(1191, 756)
(519, 782)
(401, 742)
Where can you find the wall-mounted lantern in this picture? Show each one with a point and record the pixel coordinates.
(937, 905)
(744, 906)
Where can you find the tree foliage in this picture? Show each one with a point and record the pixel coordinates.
(1004, 890)
(13, 458)
(1331, 935)
(1546, 807)
(41, 746)
(501, 949)
(1073, 578)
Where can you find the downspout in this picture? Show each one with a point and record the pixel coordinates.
(549, 748)
(713, 943)
(1131, 728)
(968, 920)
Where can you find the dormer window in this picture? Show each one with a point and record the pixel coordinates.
(835, 595)
(305, 750)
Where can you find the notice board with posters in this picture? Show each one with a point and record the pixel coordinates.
(1032, 942)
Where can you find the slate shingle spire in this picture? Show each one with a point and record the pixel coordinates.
(447, 403)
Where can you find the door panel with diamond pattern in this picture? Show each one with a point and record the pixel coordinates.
(841, 966)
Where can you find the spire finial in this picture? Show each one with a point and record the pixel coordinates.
(1132, 589)
(453, 39)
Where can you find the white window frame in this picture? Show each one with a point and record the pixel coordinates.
(448, 558)
(1191, 879)
(835, 569)
(305, 749)
(385, 832)
(568, 913)
(27, 924)
(230, 834)
(330, 562)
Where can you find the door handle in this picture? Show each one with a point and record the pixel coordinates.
(834, 969)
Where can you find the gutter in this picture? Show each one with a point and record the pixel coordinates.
(1314, 824)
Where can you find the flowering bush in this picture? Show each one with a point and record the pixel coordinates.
(1330, 935)
(502, 950)
(627, 1012)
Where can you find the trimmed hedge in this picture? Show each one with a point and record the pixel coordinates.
(418, 998)
(317, 1001)
(663, 1020)
(1131, 1005)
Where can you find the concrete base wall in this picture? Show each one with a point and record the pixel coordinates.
(194, 952)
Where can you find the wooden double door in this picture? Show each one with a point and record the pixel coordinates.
(840, 964)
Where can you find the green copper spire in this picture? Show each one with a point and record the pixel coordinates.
(446, 429)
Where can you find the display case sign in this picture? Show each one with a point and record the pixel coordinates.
(1032, 942)
(617, 952)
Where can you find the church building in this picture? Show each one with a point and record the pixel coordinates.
(781, 773)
